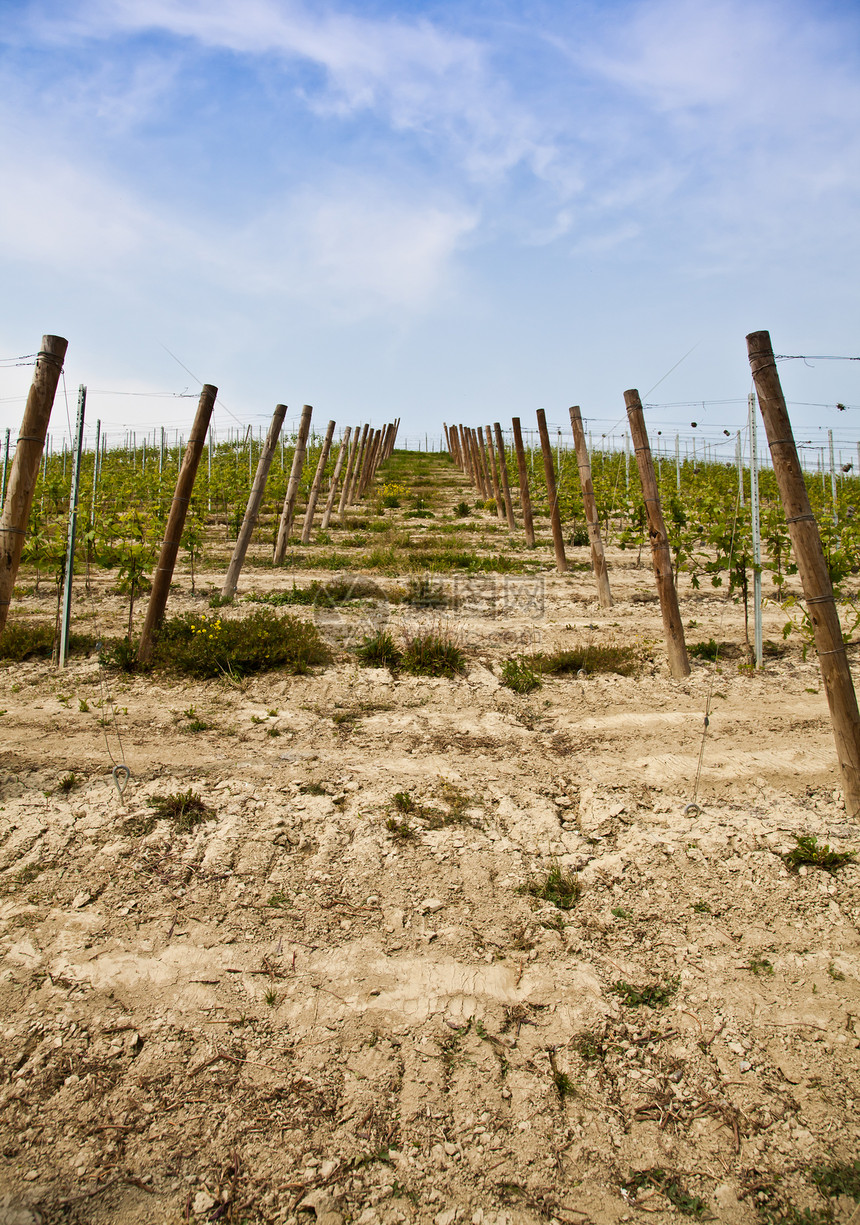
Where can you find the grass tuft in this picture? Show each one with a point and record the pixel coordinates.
(433, 653)
(588, 659)
(183, 809)
(379, 651)
(518, 674)
(559, 887)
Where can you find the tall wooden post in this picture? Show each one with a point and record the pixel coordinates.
(348, 477)
(77, 454)
(25, 465)
(163, 575)
(485, 466)
(252, 510)
(289, 508)
(314, 494)
(359, 466)
(497, 492)
(522, 469)
(335, 477)
(551, 493)
(598, 557)
(467, 455)
(503, 471)
(661, 556)
(369, 451)
(811, 565)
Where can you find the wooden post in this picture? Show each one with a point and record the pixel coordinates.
(812, 567)
(314, 494)
(335, 477)
(350, 469)
(522, 469)
(551, 493)
(485, 466)
(370, 465)
(359, 465)
(661, 556)
(497, 493)
(176, 522)
(252, 510)
(467, 454)
(364, 474)
(503, 469)
(598, 557)
(77, 453)
(293, 486)
(25, 465)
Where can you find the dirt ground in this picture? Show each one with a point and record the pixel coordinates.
(336, 998)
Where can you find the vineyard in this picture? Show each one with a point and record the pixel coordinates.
(429, 895)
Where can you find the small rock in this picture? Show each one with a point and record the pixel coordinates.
(430, 905)
(80, 900)
(203, 1202)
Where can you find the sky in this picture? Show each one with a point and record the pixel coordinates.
(434, 211)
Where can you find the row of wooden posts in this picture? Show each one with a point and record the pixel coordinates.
(361, 452)
(473, 450)
(480, 453)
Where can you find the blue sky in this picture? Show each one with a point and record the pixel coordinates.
(434, 211)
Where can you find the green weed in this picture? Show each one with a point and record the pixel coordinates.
(656, 995)
(589, 659)
(68, 783)
(842, 1178)
(403, 802)
(198, 645)
(810, 853)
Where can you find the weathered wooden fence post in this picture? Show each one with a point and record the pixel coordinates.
(551, 493)
(811, 565)
(661, 556)
(503, 472)
(252, 510)
(598, 557)
(497, 492)
(335, 477)
(317, 482)
(25, 465)
(522, 469)
(359, 465)
(292, 493)
(176, 522)
(347, 479)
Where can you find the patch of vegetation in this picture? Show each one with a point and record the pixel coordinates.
(183, 809)
(810, 853)
(195, 644)
(836, 975)
(564, 1086)
(26, 875)
(433, 653)
(761, 966)
(278, 899)
(655, 995)
(35, 640)
(589, 659)
(424, 593)
(519, 675)
(560, 887)
(139, 825)
(710, 650)
(701, 908)
(399, 829)
(403, 802)
(841, 1178)
(670, 1186)
(68, 783)
(621, 913)
(379, 651)
(461, 510)
(313, 789)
